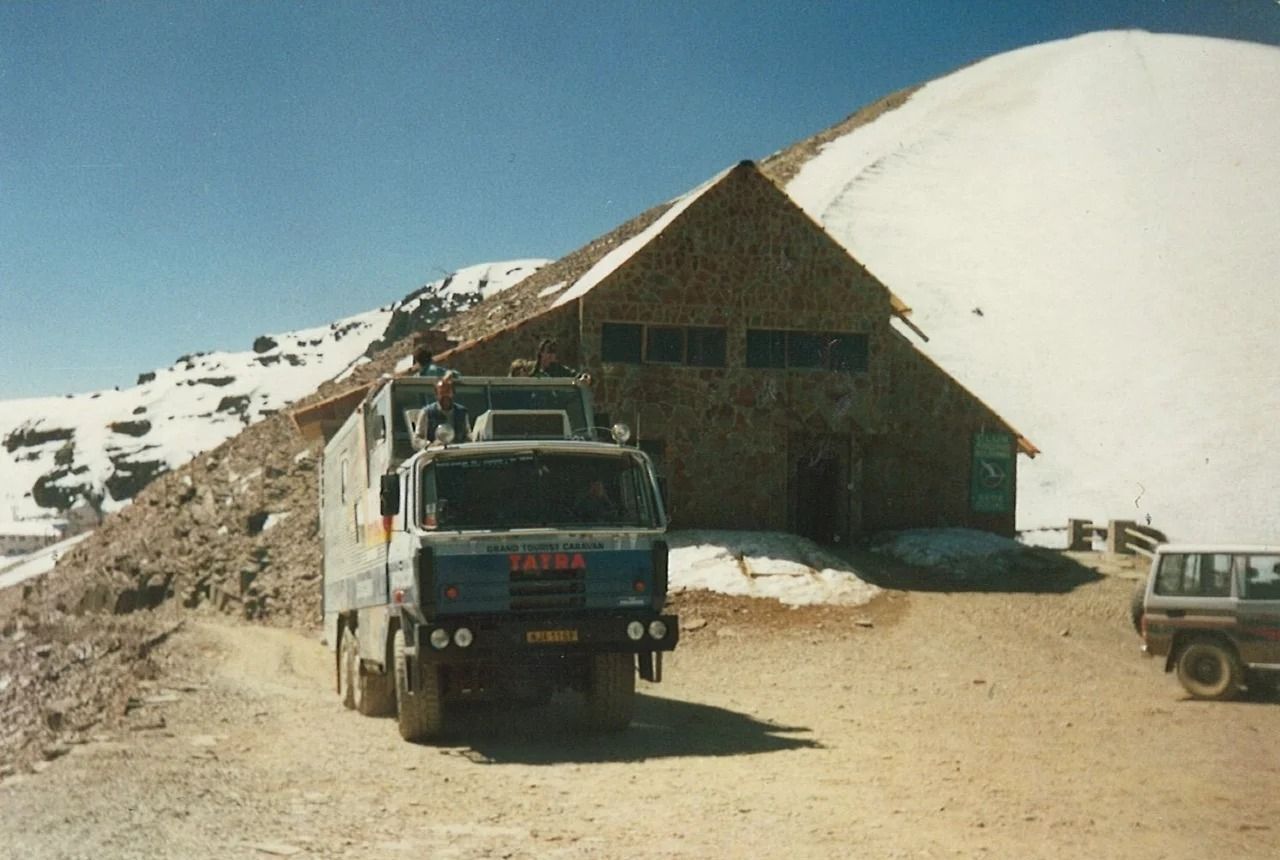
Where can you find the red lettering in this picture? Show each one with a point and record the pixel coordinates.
(530, 562)
(545, 558)
(562, 561)
(578, 563)
(514, 558)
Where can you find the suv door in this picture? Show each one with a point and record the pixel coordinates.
(1259, 610)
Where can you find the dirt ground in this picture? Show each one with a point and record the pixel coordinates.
(935, 722)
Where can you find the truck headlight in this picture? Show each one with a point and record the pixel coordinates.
(620, 432)
(439, 639)
(444, 433)
(658, 629)
(462, 637)
(635, 631)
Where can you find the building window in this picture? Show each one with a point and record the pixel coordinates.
(620, 342)
(632, 343)
(807, 350)
(705, 347)
(766, 348)
(664, 345)
(847, 352)
(804, 349)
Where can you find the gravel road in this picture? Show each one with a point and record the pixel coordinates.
(931, 723)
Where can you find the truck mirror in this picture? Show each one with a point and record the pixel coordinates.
(389, 495)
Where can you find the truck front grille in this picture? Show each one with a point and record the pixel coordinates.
(542, 590)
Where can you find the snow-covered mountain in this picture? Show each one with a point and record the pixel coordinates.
(1087, 232)
(103, 446)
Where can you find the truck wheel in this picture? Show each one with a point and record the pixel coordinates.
(611, 696)
(1209, 670)
(420, 714)
(375, 695)
(347, 657)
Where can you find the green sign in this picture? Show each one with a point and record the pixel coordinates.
(991, 491)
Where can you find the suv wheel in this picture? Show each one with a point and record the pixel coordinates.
(1209, 670)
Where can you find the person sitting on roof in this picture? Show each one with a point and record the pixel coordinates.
(546, 364)
(425, 365)
(445, 410)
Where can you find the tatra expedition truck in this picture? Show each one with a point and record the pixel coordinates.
(527, 558)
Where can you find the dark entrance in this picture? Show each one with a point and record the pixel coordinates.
(819, 495)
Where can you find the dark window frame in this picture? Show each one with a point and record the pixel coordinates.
(616, 345)
(799, 349)
(664, 344)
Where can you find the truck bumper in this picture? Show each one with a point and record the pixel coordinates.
(493, 637)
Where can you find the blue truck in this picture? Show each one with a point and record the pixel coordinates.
(525, 559)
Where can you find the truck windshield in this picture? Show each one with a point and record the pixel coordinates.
(538, 489)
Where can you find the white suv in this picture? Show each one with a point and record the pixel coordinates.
(1213, 613)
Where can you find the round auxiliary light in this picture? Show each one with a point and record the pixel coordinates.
(621, 433)
(635, 631)
(658, 629)
(439, 639)
(444, 434)
(462, 637)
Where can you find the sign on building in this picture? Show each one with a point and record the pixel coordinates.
(991, 490)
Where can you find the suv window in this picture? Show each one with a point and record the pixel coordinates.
(1262, 577)
(1200, 575)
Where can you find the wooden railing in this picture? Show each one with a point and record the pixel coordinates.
(1122, 536)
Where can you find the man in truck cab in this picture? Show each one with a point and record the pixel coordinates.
(445, 410)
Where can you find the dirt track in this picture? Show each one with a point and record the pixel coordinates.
(929, 724)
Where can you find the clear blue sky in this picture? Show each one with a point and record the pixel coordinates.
(182, 176)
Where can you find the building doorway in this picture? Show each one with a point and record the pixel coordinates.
(819, 494)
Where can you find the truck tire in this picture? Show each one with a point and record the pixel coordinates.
(1208, 669)
(611, 694)
(347, 656)
(375, 695)
(420, 714)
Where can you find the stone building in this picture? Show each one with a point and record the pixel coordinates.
(760, 365)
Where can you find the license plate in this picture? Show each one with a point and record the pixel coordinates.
(543, 637)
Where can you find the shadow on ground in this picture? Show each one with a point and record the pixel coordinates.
(1029, 570)
(662, 728)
